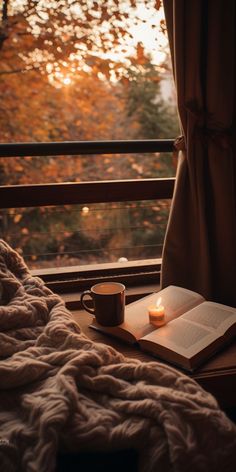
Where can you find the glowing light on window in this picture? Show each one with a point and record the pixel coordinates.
(67, 81)
(85, 210)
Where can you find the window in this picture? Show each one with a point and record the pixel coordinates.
(87, 71)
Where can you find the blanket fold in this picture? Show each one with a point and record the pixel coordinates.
(61, 391)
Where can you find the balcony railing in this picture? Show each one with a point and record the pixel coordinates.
(17, 196)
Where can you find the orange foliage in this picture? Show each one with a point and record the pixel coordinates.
(67, 34)
(34, 110)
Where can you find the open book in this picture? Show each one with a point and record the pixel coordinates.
(195, 329)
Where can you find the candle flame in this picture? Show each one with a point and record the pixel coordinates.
(158, 303)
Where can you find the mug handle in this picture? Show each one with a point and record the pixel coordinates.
(86, 292)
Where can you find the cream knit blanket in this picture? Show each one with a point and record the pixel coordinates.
(61, 391)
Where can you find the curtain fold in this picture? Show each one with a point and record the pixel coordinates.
(200, 244)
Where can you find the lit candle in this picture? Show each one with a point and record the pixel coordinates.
(157, 314)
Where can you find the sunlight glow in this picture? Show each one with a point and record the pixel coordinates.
(147, 33)
(66, 81)
(116, 41)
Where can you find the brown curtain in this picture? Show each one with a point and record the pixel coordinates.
(200, 246)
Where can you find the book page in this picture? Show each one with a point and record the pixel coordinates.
(176, 301)
(129, 332)
(213, 316)
(137, 317)
(182, 337)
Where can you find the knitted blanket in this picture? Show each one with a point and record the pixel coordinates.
(61, 391)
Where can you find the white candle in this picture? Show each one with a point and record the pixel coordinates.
(157, 314)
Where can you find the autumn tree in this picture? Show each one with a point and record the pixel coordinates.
(34, 110)
(61, 37)
(66, 45)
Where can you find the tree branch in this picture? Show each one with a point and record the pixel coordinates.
(5, 11)
(20, 70)
(3, 26)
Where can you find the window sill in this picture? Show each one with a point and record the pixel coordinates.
(137, 276)
(72, 300)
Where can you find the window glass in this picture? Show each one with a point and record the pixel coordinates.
(92, 234)
(78, 71)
